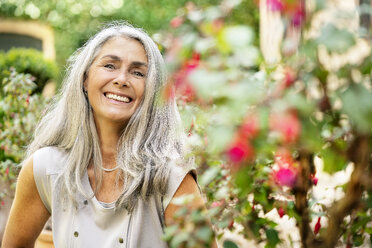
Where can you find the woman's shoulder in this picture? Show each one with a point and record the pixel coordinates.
(177, 174)
(50, 158)
(179, 171)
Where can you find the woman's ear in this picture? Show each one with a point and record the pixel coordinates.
(85, 78)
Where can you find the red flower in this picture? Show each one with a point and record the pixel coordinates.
(250, 127)
(2, 203)
(191, 128)
(281, 212)
(168, 92)
(183, 86)
(7, 171)
(28, 100)
(231, 225)
(287, 124)
(289, 77)
(240, 151)
(315, 181)
(317, 226)
(176, 22)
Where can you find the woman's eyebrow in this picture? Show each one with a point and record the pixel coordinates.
(117, 58)
(138, 64)
(113, 57)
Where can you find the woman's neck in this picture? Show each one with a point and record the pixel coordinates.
(109, 134)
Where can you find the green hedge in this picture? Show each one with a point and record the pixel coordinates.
(28, 61)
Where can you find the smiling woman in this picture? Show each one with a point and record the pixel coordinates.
(107, 158)
(116, 80)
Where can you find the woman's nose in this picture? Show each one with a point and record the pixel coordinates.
(122, 79)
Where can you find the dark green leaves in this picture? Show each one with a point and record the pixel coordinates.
(229, 244)
(357, 104)
(335, 39)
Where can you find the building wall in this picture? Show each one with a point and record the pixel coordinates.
(28, 34)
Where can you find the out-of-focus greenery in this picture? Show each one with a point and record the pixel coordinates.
(19, 113)
(28, 61)
(75, 21)
(256, 129)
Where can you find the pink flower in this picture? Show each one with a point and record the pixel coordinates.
(283, 158)
(240, 151)
(176, 22)
(285, 169)
(285, 177)
(216, 204)
(317, 226)
(217, 25)
(287, 124)
(7, 171)
(298, 17)
(2, 203)
(275, 5)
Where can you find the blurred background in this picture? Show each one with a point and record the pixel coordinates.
(275, 95)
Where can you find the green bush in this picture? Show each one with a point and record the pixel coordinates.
(19, 113)
(28, 61)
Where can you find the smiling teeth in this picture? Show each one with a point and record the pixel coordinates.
(117, 98)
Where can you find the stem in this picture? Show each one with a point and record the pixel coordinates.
(359, 154)
(302, 187)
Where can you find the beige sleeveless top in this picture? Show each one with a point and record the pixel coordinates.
(96, 224)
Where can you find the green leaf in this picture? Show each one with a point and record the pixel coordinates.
(178, 239)
(357, 104)
(229, 244)
(169, 232)
(208, 84)
(209, 175)
(332, 161)
(272, 237)
(335, 39)
(244, 181)
(205, 233)
(357, 240)
(218, 138)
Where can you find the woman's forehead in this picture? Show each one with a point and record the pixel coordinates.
(123, 47)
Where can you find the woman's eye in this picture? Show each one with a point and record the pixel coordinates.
(138, 74)
(109, 66)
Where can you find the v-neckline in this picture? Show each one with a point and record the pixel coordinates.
(100, 204)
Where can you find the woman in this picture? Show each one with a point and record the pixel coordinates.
(108, 156)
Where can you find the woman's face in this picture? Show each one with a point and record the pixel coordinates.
(116, 80)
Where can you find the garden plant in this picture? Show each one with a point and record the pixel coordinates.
(19, 113)
(260, 131)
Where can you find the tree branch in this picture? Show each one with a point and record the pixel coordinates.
(359, 154)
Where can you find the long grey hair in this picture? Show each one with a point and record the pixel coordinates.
(151, 141)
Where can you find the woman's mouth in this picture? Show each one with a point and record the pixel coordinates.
(118, 98)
